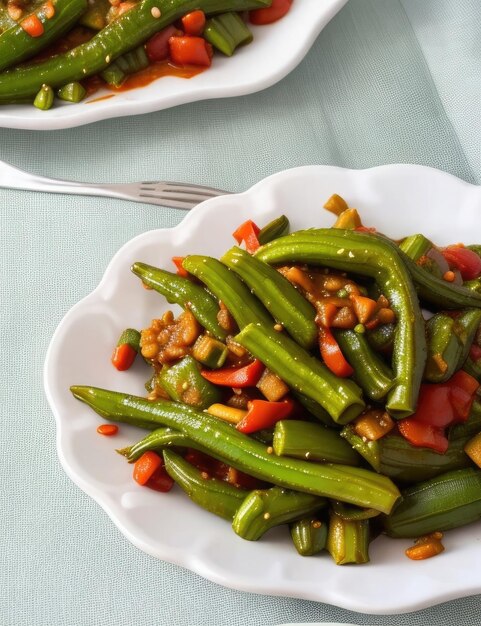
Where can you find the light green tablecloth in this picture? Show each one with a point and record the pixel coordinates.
(387, 81)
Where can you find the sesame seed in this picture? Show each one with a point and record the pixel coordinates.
(278, 327)
(156, 12)
(270, 450)
(266, 516)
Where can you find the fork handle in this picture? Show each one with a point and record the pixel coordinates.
(14, 178)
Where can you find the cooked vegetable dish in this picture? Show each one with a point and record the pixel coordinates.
(50, 48)
(326, 379)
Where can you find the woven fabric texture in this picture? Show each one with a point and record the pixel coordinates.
(388, 81)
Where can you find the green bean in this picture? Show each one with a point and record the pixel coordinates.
(304, 373)
(382, 338)
(183, 382)
(348, 540)
(264, 509)
(449, 340)
(227, 287)
(17, 45)
(447, 501)
(224, 442)
(438, 291)
(44, 98)
(125, 33)
(73, 92)
(283, 301)
(313, 442)
(226, 32)
(158, 439)
(370, 372)
(309, 535)
(129, 63)
(315, 409)
(278, 227)
(378, 258)
(182, 291)
(213, 495)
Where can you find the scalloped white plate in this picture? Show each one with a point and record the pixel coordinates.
(398, 199)
(275, 52)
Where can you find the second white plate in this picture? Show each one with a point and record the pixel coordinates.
(275, 51)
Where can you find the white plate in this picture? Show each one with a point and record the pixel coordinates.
(276, 50)
(399, 200)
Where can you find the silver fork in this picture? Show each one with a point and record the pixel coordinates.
(169, 194)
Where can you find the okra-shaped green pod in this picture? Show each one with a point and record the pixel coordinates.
(263, 509)
(185, 293)
(443, 348)
(447, 501)
(466, 328)
(278, 227)
(352, 513)
(302, 372)
(416, 246)
(183, 382)
(395, 457)
(369, 450)
(212, 494)
(370, 371)
(224, 442)
(283, 301)
(315, 409)
(382, 338)
(159, 439)
(226, 32)
(438, 291)
(309, 535)
(73, 92)
(449, 340)
(378, 258)
(408, 464)
(348, 541)
(227, 287)
(17, 45)
(44, 98)
(313, 442)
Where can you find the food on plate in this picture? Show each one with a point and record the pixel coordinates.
(73, 47)
(327, 380)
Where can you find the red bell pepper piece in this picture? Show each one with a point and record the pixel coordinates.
(123, 357)
(194, 22)
(146, 466)
(439, 406)
(423, 435)
(247, 233)
(264, 414)
(463, 259)
(177, 260)
(237, 377)
(332, 355)
(278, 9)
(190, 51)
